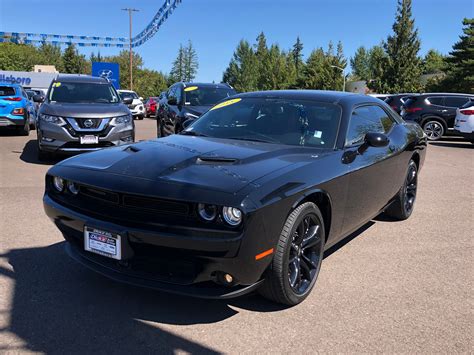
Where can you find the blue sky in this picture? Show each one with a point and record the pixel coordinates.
(216, 26)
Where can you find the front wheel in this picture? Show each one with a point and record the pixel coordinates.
(25, 129)
(298, 256)
(433, 129)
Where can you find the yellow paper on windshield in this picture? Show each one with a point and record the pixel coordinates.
(226, 103)
(191, 88)
(56, 85)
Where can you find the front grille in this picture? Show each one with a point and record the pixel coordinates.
(158, 205)
(88, 123)
(78, 145)
(100, 194)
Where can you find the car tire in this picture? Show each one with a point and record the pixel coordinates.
(25, 129)
(402, 207)
(297, 258)
(434, 129)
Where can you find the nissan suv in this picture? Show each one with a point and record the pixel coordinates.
(434, 112)
(82, 113)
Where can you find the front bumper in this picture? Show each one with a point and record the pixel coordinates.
(57, 139)
(176, 263)
(138, 111)
(11, 120)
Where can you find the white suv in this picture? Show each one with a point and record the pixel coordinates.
(136, 107)
(464, 122)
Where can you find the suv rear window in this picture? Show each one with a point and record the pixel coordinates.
(455, 101)
(409, 100)
(7, 91)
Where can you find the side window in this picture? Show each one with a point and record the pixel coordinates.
(172, 92)
(179, 94)
(367, 119)
(438, 101)
(455, 101)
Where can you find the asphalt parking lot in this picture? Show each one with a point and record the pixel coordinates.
(391, 287)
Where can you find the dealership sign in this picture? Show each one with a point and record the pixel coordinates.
(22, 80)
(27, 79)
(109, 71)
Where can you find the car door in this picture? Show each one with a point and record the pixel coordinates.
(375, 172)
(452, 103)
(170, 111)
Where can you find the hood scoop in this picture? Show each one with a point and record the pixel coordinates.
(215, 160)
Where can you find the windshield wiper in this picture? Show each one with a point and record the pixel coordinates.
(192, 133)
(251, 139)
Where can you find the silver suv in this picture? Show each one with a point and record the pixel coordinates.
(82, 113)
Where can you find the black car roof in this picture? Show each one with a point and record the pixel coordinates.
(445, 94)
(81, 79)
(316, 95)
(214, 85)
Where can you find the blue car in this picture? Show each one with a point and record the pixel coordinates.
(16, 110)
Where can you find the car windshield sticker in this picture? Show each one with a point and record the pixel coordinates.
(226, 103)
(191, 88)
(318, 134)
(56, 85)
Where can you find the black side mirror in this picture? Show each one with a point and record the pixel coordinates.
(188, 122)
(375, 139)
(38, 98)
(172, 101)
(127, 100)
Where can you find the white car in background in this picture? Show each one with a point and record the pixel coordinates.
(137, 108)
(464, 121)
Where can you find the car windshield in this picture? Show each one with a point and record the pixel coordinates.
(82, 92)
(7, 91)
(280, 121)
(206, 96)
(125, 94)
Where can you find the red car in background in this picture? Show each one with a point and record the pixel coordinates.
(150, 106)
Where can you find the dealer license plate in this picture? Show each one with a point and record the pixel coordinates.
(89, 139)
(103, 243)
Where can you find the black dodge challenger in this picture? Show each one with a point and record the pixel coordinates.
(247, 197)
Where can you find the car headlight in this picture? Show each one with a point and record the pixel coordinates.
(232, 216)
(58, 183)
(126, 119)
(53, 119)
(207, 212)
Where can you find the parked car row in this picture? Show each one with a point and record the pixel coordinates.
(16, 109)
(436, 113)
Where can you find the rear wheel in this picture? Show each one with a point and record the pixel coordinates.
(25, 129)
(298, 256)
(433, 129)
(404, 203)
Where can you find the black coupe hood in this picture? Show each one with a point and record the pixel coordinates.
(209, 163)
(85, 110)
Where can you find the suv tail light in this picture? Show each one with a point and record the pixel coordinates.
(12, 99)
(467, 112)
(412, 109)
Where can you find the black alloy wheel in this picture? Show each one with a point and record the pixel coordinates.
(305, 252)
(297, 259)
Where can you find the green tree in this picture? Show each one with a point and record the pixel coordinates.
(360, 64)
(191, 63)
(178, 69)
(378, 62)
(335, 62)
(317, 73)
(149, 82)
(73, 62)
(433, 62)
(403, 69)
(297, 56)
(262, 56)
(460, 62)
(19, 57)
(242, 71)
(123, 60)
(49, 54)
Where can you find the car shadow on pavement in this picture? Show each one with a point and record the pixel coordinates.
(30, 154)
(453, 144)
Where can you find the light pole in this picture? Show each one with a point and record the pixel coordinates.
(130, 10)
(343, 76)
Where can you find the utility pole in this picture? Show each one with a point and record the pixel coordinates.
(130, 11)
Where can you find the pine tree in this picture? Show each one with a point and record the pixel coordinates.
(360, 64)
(73, 62)
(403, 67)
(242, 70)
(177, 72)
(191, 63)
(433, 62)
(50, 55)
(297, 56)
(264, 71)
(460, 76)
(316, 74)
(377, 63)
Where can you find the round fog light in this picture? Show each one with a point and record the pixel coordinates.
(73, 188)
(232, 216)
(207, 212)
(58, 183)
